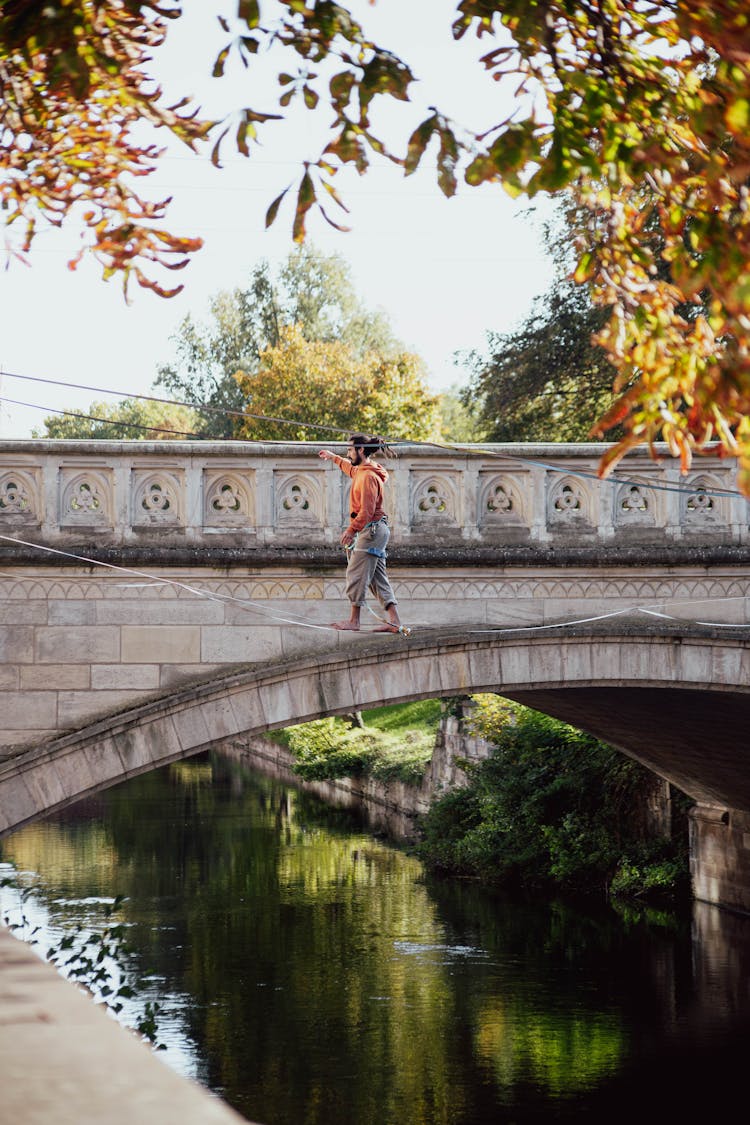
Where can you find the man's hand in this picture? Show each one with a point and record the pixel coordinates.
(326, 455)
(346, 539)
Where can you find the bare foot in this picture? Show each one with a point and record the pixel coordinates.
(392, 628)
(345, 626)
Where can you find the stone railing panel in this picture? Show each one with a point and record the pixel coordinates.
(247, 494)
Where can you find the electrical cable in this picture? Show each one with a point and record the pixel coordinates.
(104, 421)
(443, 446)
(198, 407)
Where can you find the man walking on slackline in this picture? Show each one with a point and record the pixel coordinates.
(367, 535)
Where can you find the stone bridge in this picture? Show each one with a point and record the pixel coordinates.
(160, 597)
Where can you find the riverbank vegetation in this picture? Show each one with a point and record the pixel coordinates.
(555, 808)
(550, 808)
(392, 743)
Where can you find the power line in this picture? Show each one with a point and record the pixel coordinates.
(464, 449)
(200, 407)
(105, 421)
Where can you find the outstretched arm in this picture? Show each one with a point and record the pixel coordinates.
(343, 462)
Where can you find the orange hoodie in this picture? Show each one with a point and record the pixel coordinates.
(366, 498)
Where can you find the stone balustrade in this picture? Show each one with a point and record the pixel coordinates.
(245, 495)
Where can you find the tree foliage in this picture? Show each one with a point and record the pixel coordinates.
(461, 417)
(74, 92)
(640, 108)
(311, 291)
(325, 384)
(546, 380)
(130, 419)
(552, 807)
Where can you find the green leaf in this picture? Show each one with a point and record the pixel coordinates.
(249, 11)
(585, 269)
(418, 142)
(310, 96)
(341, 86)
(737, 115)
(273, 210)
(221, 59)
(305, 199)
(480, 171)
(447, 157)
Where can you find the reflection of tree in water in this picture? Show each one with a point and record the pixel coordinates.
(329, 981)
(611, 976)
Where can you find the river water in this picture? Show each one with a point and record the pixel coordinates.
(313, 975)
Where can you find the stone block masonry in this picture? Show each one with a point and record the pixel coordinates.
(201, 576)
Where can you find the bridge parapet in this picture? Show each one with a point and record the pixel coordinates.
(245, 495)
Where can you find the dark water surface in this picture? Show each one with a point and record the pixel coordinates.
(312, 975)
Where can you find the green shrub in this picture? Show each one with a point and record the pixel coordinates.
(327, 749)
(552, 806)
(652, 872)
(396, 743)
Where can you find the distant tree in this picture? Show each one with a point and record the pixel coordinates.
(312, 291)
(131, 419)
(327, 384)
(460, 416)
(547, 380)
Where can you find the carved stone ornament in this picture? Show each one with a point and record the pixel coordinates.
(299, 500)
(434, 499)
(635, 505)
(501, 501)
(228, 499)
(20, 497)
(701, 507)
(157, 499)
(570, 504)
(86, 498)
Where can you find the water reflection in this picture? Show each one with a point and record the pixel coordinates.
(312, 974)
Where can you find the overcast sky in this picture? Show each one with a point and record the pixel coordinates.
(444, 271)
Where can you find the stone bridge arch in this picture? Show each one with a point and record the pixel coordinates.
(678, 701)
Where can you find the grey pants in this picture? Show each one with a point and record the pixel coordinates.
(366, 566)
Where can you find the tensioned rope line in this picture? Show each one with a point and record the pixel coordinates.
(154, 580)
(297, 620)
(444, 446)
(582, 473)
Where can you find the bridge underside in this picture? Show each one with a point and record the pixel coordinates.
(675, 732)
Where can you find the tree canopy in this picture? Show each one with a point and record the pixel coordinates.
(325, 384)
(311, 291)
(637, 107)
(546, 380)
(74, 93)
